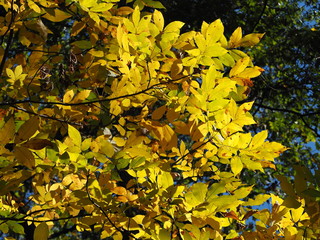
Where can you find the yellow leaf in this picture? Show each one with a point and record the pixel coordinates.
(297, 213)
(86, 4)
(165, 180)
(258, 139)
(55, 15)
(18, 71)
(225, 201)
(173, 27)
(251, 72)
(251, 39)
(75, 135)
(7, 132)
(235, 38)
(258, 200)
(136, 16)
(86, 144)
(200, 41)
(68, 96)
(96, 53)
(214, 32)
(94, 16)
(81, 96)
(27, 130)
(34, 6)
(196, 194)
(215, 50)
(250, 164)
(126, 102)
(236, 165)
(41, 232)
(10, 73)
(119, 191)
(242, 192)
(158, 19)
(241, 64)
(106, 148)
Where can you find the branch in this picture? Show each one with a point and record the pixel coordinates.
(6, 51)
(64, 231)
(89, 102)
(194, 150)
(301, 115)
(46, 116)
(41, 221)
(261, 14)
(122, 231)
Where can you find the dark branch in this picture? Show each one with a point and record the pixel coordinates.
(122, 231)
(300, 115)
(46, 116)
(41, 221)
(89, 102)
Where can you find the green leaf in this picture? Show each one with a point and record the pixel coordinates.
(153, 4)
(41, 232)
(16, 227)
(137, 162)
(291, 202)
(82, 44)
(164, 235)
(312, 192)
(286, 186)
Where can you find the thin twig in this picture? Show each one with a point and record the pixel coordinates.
(40, 221)
(46, 116)
(88, 102)
(104, 212)
(301, 115)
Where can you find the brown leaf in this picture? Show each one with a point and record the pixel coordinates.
(37, 144)
(27, 129)
(24, 156)
(231, 214)
(249, 214)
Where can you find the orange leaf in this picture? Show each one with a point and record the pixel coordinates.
(119, 191)
(158, 113)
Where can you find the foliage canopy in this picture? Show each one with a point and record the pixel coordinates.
(116, 126)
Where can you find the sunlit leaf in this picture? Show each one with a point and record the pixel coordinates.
(56, 15)
(75, 135)
(251, 39)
